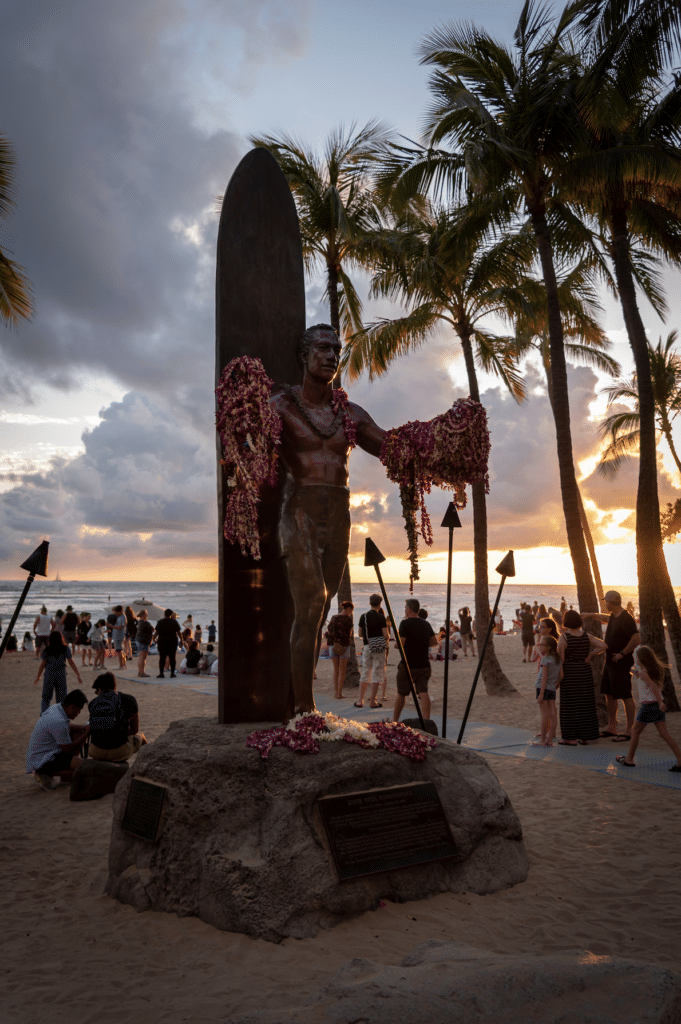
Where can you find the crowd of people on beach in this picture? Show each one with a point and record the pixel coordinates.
(563, 650)
(553, 639)
(112, 733)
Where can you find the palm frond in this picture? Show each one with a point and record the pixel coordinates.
(377, 344)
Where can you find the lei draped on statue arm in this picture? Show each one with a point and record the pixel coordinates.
(250, 431)
(449, 451)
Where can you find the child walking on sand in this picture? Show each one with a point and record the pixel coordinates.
(648, 670)
(548, 680)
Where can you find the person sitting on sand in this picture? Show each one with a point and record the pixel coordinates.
(114, 722)
(193, 658)
(207, 660)
(54, 743)
(648, 670)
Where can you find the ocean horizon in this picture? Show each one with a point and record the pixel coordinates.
(201, 599)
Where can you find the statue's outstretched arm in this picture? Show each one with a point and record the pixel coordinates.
(369, 435)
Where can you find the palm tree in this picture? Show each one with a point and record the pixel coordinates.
(629, 178)
(444, 275)
(585, 342)
(623, 428)
(513, 122)
(15, 289)
(336, 207)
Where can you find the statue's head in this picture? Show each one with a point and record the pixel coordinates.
(320, 336)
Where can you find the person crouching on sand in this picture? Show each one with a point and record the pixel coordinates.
(648, 670)
(548, 680)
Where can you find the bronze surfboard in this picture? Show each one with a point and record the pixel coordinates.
(260, 311)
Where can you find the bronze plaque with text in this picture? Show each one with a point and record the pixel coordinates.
(383, 829)
(143, 810)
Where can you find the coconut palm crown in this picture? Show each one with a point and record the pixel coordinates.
(336, 207)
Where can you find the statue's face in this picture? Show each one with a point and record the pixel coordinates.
(323, 357)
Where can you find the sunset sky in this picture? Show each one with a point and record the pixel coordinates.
(127, 120)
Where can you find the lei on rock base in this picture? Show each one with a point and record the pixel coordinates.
(449, 451)
(305, 732)
(250, 431)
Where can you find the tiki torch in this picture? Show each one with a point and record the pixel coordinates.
(35, 565)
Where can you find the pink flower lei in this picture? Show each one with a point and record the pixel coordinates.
(449, 451)
(250, 432)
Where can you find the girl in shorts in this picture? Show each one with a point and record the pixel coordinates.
(548, 680)
(649, 671)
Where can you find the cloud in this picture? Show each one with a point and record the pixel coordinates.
(145, 470)
(116, 179)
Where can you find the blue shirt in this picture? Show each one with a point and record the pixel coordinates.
(50, 734)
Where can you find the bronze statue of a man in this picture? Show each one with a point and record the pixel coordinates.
(314, 521)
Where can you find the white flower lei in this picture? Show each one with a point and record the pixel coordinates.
(338, 728)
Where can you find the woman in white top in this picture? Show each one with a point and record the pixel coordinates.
(42, 627)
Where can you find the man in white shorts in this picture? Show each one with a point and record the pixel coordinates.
(375, 634)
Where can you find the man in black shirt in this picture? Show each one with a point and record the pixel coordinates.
(167, 632)
(114, 722)
(417, 636)
(527, 631)
(373, 629)
(622, 637)
(145, 632)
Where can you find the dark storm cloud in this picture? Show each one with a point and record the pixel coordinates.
(144, 470)
(116, 181)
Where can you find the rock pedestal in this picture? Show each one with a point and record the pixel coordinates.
(243, 847)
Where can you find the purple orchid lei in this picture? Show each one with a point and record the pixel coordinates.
(449, 451)
(250, 430)
(304, 733)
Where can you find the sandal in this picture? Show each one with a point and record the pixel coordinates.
(675, 768)
(359, 705)
(629, 764)
(621, 738)
(374, 705)
(568, 743)
(604, 732)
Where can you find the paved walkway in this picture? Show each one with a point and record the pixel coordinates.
(652, 769)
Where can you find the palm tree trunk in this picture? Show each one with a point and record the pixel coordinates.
(332, 284)
(583, 519)
(654, 585)
(496, 681)
(667, 431)
(591, 548)
(586, 592)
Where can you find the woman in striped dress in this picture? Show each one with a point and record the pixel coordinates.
(578, 718)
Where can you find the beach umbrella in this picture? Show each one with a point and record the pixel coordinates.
(154, 611)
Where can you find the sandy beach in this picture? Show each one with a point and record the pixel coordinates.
(603, 877)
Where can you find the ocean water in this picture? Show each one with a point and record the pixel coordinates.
(201, 599)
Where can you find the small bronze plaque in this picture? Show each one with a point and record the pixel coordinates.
(142, 817)
(383, 829)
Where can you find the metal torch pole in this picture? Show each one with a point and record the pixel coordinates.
(482, 655)
(447, 618)
(16, 614)
(399, 644)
